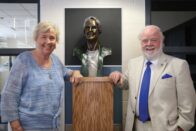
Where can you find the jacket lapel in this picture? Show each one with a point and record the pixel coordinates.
(162, 62)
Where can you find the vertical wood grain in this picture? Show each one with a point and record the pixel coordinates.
(93, 105)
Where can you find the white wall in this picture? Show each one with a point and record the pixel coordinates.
(133, 20)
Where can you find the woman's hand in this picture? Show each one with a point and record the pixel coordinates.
(16, 126)
(75, 77)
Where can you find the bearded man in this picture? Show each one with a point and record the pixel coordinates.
(161, 92)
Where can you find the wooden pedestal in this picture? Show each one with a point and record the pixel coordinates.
(93, 105)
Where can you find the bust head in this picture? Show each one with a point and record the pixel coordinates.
(92, 28)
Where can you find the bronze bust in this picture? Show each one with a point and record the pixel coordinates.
(92, 53)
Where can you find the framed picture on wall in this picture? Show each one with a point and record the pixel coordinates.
(110, 19)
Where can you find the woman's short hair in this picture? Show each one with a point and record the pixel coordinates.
(44, 27)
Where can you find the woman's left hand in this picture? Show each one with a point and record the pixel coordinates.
(75, 77)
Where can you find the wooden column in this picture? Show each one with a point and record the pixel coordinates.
(93, 105)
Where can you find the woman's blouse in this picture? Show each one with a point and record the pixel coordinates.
(34, 94)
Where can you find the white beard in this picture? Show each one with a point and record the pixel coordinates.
(154, 55)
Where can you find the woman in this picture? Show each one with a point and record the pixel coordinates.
(31, 98)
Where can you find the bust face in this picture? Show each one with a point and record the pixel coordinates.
(91, 30)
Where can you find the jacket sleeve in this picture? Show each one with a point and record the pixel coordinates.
(186, 97)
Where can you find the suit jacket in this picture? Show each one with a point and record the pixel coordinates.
(172, 100)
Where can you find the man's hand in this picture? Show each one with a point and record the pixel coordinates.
(116, 77)
(180, 129)
(16, 126)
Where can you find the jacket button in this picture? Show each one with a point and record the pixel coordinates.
(136, 97)
(133, 112)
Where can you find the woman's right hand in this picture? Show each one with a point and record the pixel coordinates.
(16, 126)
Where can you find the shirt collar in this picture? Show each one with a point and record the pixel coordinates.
(154, 62)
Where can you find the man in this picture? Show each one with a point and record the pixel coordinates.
(161, 93)
(92, 53)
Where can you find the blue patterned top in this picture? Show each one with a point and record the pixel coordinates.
(34, 94)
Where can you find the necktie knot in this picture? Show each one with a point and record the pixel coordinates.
(148, 63)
